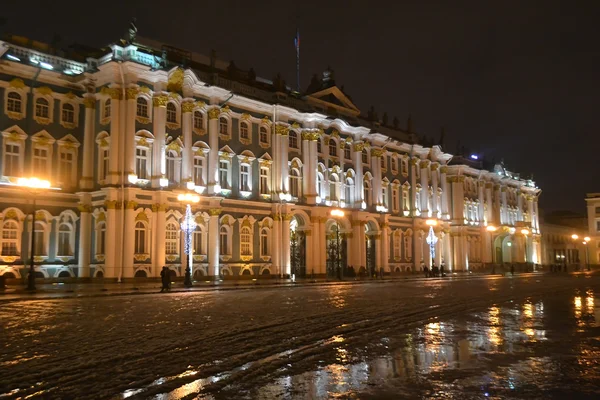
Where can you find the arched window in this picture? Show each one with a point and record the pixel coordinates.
(199, 171)
(333, 195)
(365, 157)
(384, 196)
(295, 183)
(100, 238)
(10, 235)
(199, 240)
(42, 108)
(293, 140)
(14, 102)
(394, 163)
(40, 240)
(245, 242)
(265, 249)
(140, 238)
(264, 135)
(319, 149)
(332, 148)
(223, 126)
(68, 113)
(320, 180)
(224, 248)
(64, 240)
(349, 190)
(107, 108)
(245, 178)
(244, 131)
(142, 107)
(171, 158)
(397, 241)
(171, 239)
(198, 120)
(171, 113)
(347, 152)
(407, 247)
(141, 162)
(264, 180)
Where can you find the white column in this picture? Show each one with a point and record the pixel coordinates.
(314, 250)
(130, 131)
(498, 210)
(448, 252)
(213, 161)
(536, 218)
(361, 245)
(490, 204)
(414, 164)
(213, 242)
(114, 148)
(85, 237)
(158, 146)
(480, 211)
(530, 209)
(307, 190)
(110, 253)
(445, 193)
(277, 244)
(286, 243)
(376, 155)
(504, 212)
(385, 246)
(87, 174)
(418, 243)
(519, 206)
(284, 144)
(276, 170)
(458, 200)
(424, 165)
(159, 238)
(379, 252)
(434, 186)
(438, 249)
(186, 125)
(128, 239)
(357, 148)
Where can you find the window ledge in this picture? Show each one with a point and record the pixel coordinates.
(9, 259)
(99, 257)
(246, 258)
(200, 257)
(245, 141)
(15, 115)
(200, 132)
(65, 258)
(40, 258)
(172, 257)
(245, 193)
(265, 258)
(68, 125)
(264, 145)
(172, 125)
(105, 121)
(143, 120)
(225, 192)
(42, 120)
(141, 257)
(225, 257)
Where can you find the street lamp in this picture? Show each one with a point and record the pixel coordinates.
(431, 241)
(491, 229)
(34, 185)
(587, 252)
(188, 226)
(575, 237)
(336, 213)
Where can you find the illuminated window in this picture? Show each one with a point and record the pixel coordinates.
(68, 113)
(42, 108)
(171, 113)
(14, 102)
(142, 107)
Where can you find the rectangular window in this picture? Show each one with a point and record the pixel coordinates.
(40, 161)
(141, 162)
(395, 200)
(199, 171)
(224, 174)
(245, 178)
(171, 169)
(40, 245)
(64, 244)
(264, 181)
(104, 165)
(66, 168)
(11, 160)
(347, 153)
(384, 195)
(404, 167)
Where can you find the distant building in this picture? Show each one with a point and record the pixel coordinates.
(593, 225)
(563, 240)
(123, 130)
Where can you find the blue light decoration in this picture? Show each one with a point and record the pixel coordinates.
(431, 241)
(474, 156)
(188, 226)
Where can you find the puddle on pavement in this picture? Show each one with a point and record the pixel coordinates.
(542, 349)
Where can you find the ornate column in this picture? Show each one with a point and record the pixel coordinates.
(413, 187)
(357, 149)
(498, 208)
(283, 131)
(434, 185)
(458, 199)
(439, 248)
(115, 132)
(481, 208)
(158, 260)
(186, 158)
(87, 174)
(379, 251)
(158, 146)
(418, 243)
(361, 244)
(530, 208)
(424, 165)
(504, 211)
(277, 243)
(85, 238)
(285, 228)
(131, 94)
(213, 242)
(213, 159)
(129, 239)
(110, 258)
(520, 206)
(315, 250)
(385, 246)
(536, 218)
(448, 251)
(490, 204)
(445, 193)
(376, 155)
(306, 172)
(323, 245)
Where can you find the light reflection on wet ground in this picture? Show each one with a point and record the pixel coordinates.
(539, 348)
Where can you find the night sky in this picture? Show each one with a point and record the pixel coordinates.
(511, 80)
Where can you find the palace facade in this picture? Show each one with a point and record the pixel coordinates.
(120, 132)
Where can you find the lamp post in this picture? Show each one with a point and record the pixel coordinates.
(34, 185)
(586, 241)
(575, 237)
(338, 214)
(188, 226)
(431, 241)
(491, 229)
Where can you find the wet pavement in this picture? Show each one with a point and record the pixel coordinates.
(523, 337)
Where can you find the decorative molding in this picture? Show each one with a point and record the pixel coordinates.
(17, 83)
(131, 93)
(188, 107)
(213, 113)
(84, 207)
(89, 102)
(215, 212)
(113, 93)
(160, 101)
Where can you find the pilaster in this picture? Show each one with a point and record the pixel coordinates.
(115, 135)
(159, 103)
(186, 123)
(85, 237)
(213, 161)
(131, 94)
(213, 242)
(87, 174)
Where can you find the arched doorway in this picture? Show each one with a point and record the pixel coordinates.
(297, 248)
(140, 273)
(336, 246)
(370, 250)
(503, 249)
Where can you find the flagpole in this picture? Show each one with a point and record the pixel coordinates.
(297, 43)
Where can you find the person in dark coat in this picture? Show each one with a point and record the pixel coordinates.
(165, 278)
(512, 269)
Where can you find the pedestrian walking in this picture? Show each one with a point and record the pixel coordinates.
(512, 269)
(442, 270)
(165, 278)
(426, 270)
